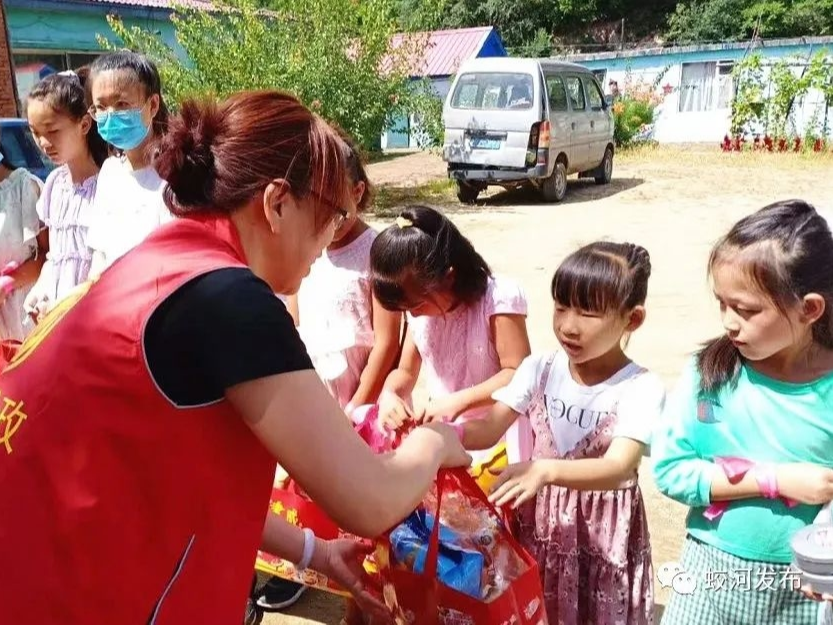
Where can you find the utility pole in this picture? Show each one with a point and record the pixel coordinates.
(622, 36)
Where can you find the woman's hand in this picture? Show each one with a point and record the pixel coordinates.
(804, 482)
(455, 454)
(342, 560)
(520, 483)
(394, 411)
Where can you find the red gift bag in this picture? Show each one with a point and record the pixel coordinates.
(421, 599)
(290, 502)
(293, 505)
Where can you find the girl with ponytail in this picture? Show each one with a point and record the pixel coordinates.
(746, 440)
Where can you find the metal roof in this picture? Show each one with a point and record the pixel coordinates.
(446, 49)
(155, 4)
(692, 49)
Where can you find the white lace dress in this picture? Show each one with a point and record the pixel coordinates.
(19, 225)
(335, 310)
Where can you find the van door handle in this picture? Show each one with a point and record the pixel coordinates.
(574, 125)
(592, 124)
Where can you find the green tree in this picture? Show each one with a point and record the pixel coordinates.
(720, 20)
(335, 55)
(530, 27)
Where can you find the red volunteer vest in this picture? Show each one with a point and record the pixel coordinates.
(116, 507)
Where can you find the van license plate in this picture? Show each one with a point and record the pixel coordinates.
(485, 144)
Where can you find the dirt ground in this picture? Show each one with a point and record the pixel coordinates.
(674, 201)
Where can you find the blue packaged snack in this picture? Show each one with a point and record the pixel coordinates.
(457, 568)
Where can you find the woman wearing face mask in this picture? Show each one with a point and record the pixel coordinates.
(136, 485)
(128, 108)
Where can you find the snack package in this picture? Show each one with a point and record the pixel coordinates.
(457, 567)
(464, 569)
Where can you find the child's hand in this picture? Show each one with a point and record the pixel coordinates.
(394, 411)
(805, 482)
(808, 592)
(37, 306)
(443, 409)
(519, 482)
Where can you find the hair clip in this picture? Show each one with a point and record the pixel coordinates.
(404, 222)
(69, 74)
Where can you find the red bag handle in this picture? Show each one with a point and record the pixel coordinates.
(470, 488)
(432, 557)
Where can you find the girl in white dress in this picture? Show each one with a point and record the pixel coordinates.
(23, 247)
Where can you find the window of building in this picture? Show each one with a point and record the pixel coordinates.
(31, 66)
(706, 86)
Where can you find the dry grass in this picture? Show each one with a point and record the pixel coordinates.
(389, 198)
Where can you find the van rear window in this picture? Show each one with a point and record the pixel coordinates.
(492, 90)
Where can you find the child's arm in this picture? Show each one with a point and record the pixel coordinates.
(681, 474)
(396, 392)
(33, 228)
(679, 471)
(29, 271)
(509, 403)
(382, 358)
(520, 482)
(486, 432)
(512, 346)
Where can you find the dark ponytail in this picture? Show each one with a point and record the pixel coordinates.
(355, 163)
(786, 250)
(424, 245)
(719, 363)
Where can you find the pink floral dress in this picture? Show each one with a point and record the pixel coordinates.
(458, 352)
(593, 548)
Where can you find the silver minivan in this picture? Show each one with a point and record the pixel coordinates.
(513, 121)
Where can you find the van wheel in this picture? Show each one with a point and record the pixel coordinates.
(554, 188)
(604, 173)
(467, 193)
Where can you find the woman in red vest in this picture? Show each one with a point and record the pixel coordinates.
(141, 421)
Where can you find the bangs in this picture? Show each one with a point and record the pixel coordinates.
(762, 265)
(592, 281)
(390, 294)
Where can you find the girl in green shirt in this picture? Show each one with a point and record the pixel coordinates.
(746, 441)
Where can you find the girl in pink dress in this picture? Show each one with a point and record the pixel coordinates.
(466, 327)
(352, 340)
(581, 511)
